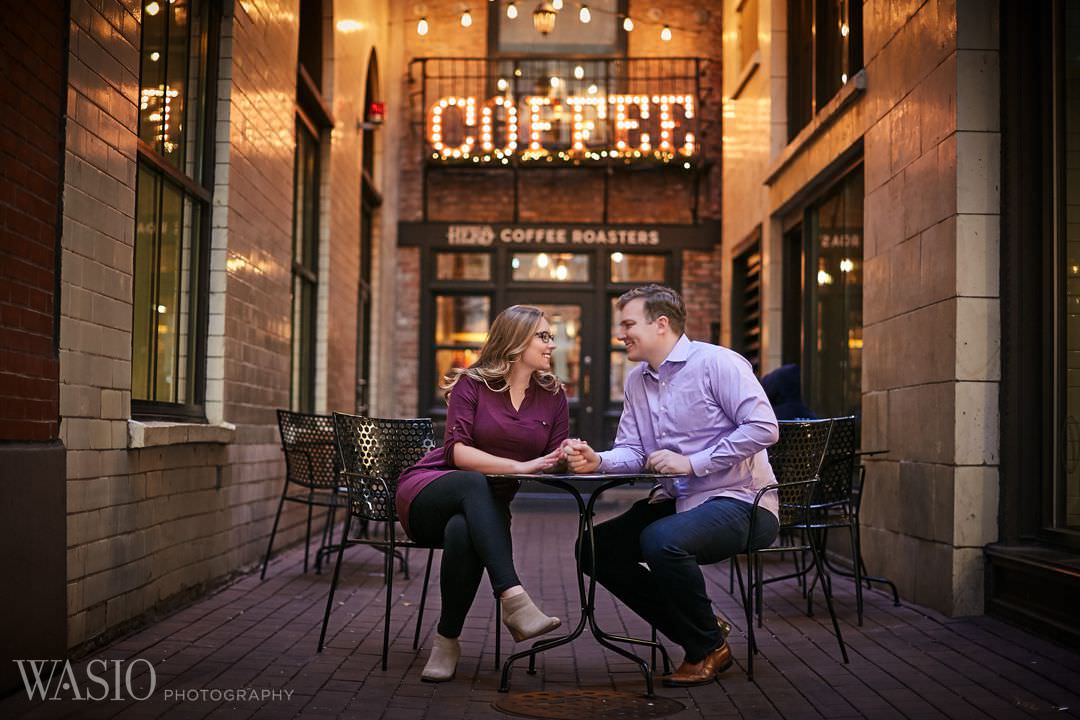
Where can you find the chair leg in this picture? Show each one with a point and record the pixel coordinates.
(307, 534)
(498, 634)
(423, 601)
(731, 576)
(327, 534)
(738, 574)
(333, 585)
(273, 531)
(388, 571)
(748, 604)
(825, 590)
(858, 571)
(758, 575)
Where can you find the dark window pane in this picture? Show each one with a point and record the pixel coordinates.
(1067, 493)
(145, 308)
(152, 91)
(632, 268)
(800, 65)
(461, 319)
(305, 268)
(550, 267)
(166, 292)
(462, 266)
(835, 263)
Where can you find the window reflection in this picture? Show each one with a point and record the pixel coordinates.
(550, 267)
(566, 359)
(635, 268)
(462, 266)
(461, 326)
(834, 344)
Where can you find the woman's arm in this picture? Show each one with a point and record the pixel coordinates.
(467, 457)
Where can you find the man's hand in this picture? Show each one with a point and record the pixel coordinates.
(580, 457)
(669, 463)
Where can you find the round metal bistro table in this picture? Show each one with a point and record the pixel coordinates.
(599, 483)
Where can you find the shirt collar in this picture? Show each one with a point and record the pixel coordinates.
(679, 353)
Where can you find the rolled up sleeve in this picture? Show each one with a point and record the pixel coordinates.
(460, 417)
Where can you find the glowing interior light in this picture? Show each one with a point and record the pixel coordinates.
(665, 34)
(152, 8)
(466, 19)
(579, 72)
(542, 260)
(422, 27)
(511, 10)
(617, 257)
(628, 24)
(502, 84)
(584, 15)
(556, 4)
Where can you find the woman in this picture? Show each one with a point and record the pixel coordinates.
(507, 414)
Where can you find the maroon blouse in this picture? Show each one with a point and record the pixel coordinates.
(486, 420)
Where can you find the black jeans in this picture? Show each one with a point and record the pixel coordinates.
(670, 593)
(459, 513)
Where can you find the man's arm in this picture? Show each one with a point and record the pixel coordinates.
(628, 452)
(741, 397)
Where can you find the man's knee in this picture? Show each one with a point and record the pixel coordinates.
(659, 546)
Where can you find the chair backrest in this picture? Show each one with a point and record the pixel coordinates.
(308, 444)
(796, 459)
(374, 452)
(838, 468)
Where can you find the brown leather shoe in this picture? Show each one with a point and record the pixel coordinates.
(701, 673)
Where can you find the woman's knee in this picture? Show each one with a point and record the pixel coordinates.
(456, 535)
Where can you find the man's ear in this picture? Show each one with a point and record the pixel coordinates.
(663, 323)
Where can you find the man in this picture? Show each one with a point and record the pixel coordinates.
(696, 411)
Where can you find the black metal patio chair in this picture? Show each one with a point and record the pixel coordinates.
(311, 477)
(796, 461)
(373, 453)
(835, 505)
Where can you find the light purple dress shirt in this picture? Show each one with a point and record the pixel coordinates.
(703, 402)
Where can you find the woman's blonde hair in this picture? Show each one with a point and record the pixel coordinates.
(510, 334)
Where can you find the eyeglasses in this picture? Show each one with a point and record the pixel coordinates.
(545, 336)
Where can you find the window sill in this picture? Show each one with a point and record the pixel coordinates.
(829, 114)
(155, 433)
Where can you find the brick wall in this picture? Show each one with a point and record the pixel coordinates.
(147, 525)
(31, 136)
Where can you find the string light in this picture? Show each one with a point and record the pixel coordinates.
(584, 15)
(466, 19)
(627, 24)
(422, 27)
(511, 10)
(579, 72)
(557, 4)
(665, 34)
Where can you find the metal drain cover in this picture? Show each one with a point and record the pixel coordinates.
(585, 704)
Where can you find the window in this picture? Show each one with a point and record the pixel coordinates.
(172, 206)
(550, 267)
(461, 326)
(824, 52)
(822, 298)
(832, 350)
(312, 120)
(1065, 503)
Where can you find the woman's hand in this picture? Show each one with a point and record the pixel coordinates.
(540, 464)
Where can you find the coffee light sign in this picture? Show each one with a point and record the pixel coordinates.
(625, 126)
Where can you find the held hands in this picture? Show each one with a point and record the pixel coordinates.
(580, 457)
(540, 464)
(669, 462)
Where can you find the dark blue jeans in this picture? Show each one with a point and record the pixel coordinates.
(670, 593)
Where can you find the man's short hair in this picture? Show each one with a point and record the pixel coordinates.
(659, 300)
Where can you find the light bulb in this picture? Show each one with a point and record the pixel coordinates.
(844, 30)
(466, 19)
(665, 34)
(422, 27)
(502, 84)
(511, 10)
(627, 24)
(554, 81)
(579, 72)
(152, 8)
(584, 15)
(556, 4)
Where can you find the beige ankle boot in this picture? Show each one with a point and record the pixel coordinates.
(442, 663)
(524, 620)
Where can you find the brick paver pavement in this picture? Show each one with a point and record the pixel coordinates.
(906, 662)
